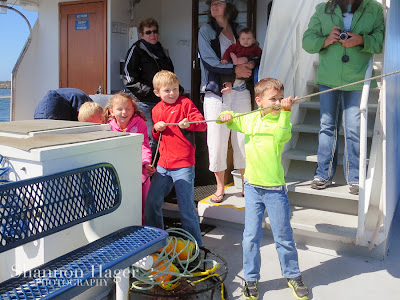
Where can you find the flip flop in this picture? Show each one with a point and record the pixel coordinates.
(219, 198)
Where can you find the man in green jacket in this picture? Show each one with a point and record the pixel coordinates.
(346, 34)
(266, 132)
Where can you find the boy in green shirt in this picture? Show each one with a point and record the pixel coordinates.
(266, 132)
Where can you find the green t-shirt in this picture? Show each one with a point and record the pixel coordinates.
(264, 141)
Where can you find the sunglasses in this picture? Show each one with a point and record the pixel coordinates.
(148, 32)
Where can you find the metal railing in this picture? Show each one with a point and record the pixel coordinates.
(363, 202)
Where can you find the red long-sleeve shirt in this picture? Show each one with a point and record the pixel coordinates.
(177, 147)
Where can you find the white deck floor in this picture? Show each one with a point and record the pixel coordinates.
(328, 274)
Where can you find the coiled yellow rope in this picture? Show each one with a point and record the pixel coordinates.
(159, 274)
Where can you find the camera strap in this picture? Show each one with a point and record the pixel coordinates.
(345, 57)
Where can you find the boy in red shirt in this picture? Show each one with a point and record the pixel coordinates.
(177, 154)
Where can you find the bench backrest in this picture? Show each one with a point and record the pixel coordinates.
(33, 208)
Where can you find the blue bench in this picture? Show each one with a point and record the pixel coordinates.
(35, 208)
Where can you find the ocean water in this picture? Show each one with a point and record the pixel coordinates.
(5, 105)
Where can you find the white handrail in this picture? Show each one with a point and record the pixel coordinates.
(363, 202)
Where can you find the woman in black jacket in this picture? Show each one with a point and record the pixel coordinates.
(144, 59)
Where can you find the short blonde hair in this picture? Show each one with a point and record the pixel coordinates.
(88, 110)
(267, 84)
(164, 78)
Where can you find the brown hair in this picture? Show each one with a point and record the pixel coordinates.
(246, 30)
(149, 22)
(267, 84)
(164, 78)
(331, 5)
(88, 110)
(230, 12)
(122, 95)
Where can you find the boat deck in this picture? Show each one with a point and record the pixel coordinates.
(329, 274)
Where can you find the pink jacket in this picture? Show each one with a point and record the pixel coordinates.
(137, 125)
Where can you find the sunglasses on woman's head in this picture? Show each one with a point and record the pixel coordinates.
(148, 32)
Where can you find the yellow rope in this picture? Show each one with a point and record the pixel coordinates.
(209, 276)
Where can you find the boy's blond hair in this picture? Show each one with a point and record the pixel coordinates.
(267, 84)
(164, 78)
(88, 110)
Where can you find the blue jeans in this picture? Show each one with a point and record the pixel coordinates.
(277, 204)
(161, 184)
(337, 107)
(146, 108)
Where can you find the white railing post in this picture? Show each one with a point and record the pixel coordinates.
(363, 201)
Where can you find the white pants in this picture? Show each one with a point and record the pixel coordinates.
(218, 134)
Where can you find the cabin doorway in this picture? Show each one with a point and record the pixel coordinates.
(82, 43)
(247, 17)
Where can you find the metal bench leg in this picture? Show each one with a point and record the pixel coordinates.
(122, 285)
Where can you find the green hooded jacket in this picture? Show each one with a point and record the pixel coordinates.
(264, 141)
(367, 21)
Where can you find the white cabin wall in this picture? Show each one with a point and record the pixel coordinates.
(117, 43)
(38, 70)
(176, 21)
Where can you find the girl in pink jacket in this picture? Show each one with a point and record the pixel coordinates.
(123, 114)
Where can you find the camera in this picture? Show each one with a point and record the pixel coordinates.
(343, 35)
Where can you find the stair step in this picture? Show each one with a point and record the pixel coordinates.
(306, 222)
(334, 191)
(304, 170)
(230, 210)
(304, 155)
(322, 224)
(314, 128)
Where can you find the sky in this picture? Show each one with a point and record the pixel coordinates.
(14, 32)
